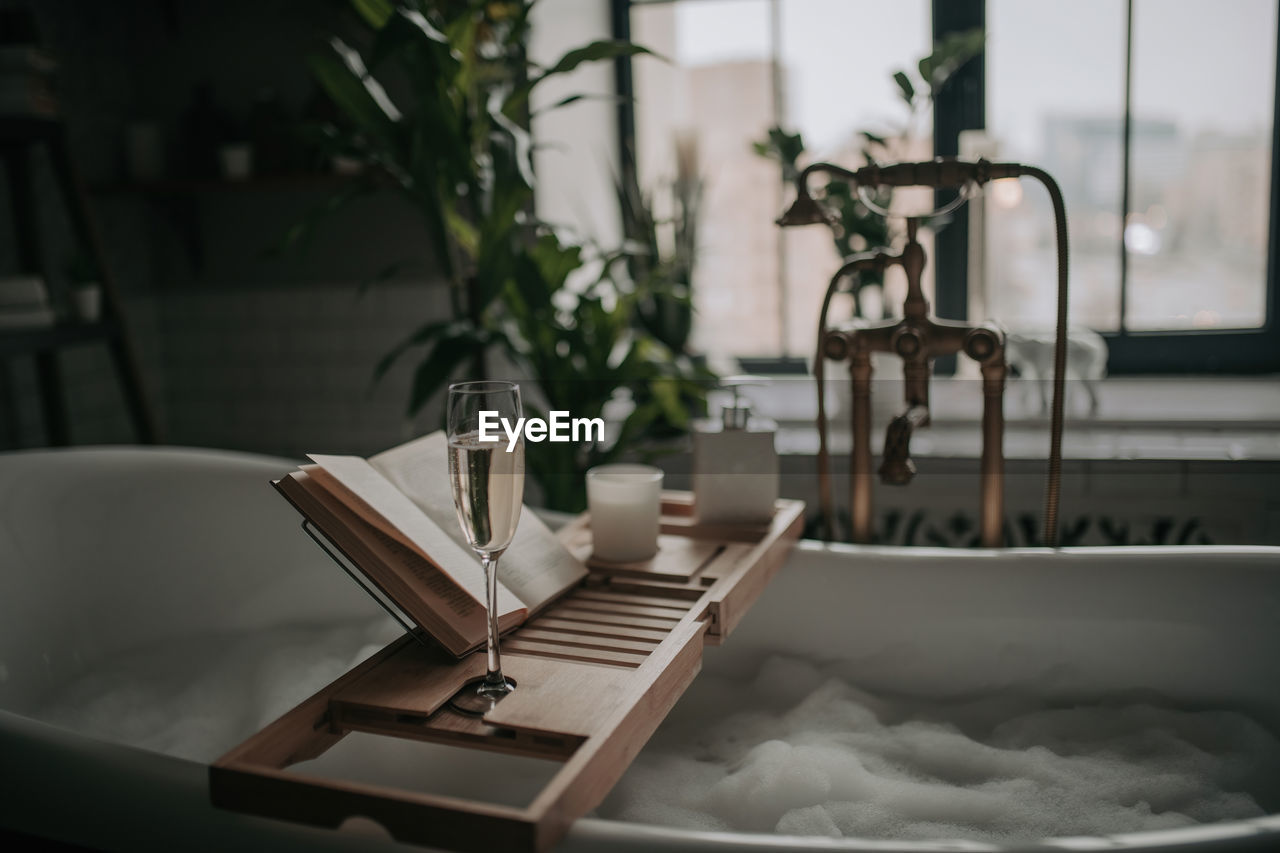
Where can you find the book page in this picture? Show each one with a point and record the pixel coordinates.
(318, 477)
(393, 513)
(536, 568)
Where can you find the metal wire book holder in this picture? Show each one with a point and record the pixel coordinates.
(384, 601)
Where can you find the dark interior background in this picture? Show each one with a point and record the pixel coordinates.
(242, 345)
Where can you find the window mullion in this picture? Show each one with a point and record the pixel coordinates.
(1126, 162)
(960, 105)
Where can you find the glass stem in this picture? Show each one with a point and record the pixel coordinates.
(490, 565)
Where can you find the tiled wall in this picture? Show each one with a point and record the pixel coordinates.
(290, 371)
(1120, 502)
(283, 370)
(241, 347)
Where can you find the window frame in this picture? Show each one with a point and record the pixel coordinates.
(961, 105)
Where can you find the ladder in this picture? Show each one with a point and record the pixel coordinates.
(20, 137)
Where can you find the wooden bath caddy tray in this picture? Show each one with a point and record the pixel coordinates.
(597, 671)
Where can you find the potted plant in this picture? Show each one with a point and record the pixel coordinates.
(856, 227)
(660, 253)
(454, 142)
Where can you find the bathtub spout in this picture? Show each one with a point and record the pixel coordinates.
(896, 468)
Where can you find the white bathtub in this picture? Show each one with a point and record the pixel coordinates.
(107, 550)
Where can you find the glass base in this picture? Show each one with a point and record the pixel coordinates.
(478, 697)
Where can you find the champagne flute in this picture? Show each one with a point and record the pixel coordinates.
(488, 492)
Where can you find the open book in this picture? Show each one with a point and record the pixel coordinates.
(392, 516)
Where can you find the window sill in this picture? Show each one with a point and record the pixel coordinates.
(1191, 418)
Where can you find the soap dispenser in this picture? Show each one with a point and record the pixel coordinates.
(735, 462)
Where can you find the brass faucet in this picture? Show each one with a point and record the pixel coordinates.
(918, 339)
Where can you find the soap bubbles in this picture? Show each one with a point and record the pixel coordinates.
(155, 698)
(798, 750)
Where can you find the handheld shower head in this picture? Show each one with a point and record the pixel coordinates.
(805, 210)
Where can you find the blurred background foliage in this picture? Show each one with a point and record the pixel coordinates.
(590, 326)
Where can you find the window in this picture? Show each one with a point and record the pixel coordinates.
(1155, 116)
(1168, 190)
(739, 67)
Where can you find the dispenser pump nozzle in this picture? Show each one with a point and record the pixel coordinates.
(737, 414)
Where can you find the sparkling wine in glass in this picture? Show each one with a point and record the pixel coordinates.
(488, 492)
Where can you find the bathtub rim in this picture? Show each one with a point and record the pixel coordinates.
(1178, 552)
(1264, 832)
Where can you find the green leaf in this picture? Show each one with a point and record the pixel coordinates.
(594, 52)
(422, 25)
(949, 56)
(435, 370)
(790, 145)
(463, 232)
(874, 139)
(784, 147)
(517, 136)
(907, 90)
(343, 76)
(581, 96)
(375, 12)
(408, 33)
(528, 293)
(423, 335)
(925, 67)
(498, 230)
(555, 262)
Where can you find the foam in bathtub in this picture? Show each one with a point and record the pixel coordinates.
(154, 699)
(801, 751)
(597, 672)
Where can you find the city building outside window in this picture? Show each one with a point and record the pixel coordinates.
(1155, 116)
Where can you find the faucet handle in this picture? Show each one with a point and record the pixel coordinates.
(897, 468)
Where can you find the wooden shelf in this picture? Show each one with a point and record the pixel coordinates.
(27, 341)
(597, 672)
(212, 186)
(29, 127)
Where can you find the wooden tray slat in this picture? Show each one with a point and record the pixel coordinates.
(678, 558)
(602, 594)
(622, 632)
(595, 617)
(521, 646)
(622, 609)
(582, 641)
(691, 592)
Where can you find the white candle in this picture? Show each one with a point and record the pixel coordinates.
(624, 501)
